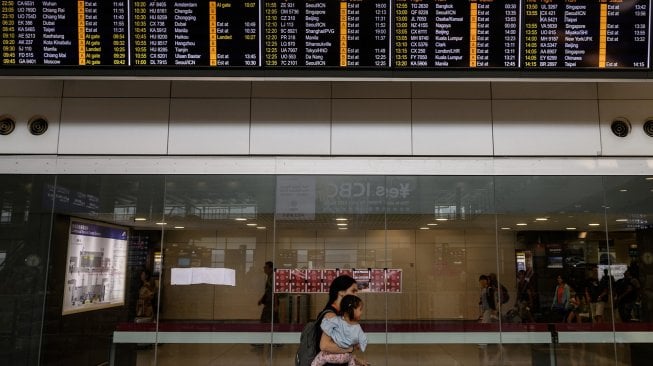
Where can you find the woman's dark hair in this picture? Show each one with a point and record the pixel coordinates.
(348, 304)
(340, 283)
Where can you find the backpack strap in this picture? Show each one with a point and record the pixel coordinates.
(318, 326)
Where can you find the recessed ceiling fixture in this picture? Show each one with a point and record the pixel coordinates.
(260, 227)
(541, 219)
(594, 224)
(341, 219)
(571, 228)
(522, 224)
(424, 228)
(179, 227)
(140, 219)
(240, 219)
(621, 220)
(442, 219)
(623, 190)
(505, 228)
(251, 224)
(162, 223)
(342, 224)
(342, 228)
(432, 224)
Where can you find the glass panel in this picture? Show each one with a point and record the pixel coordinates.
(442, 235)
(554, 229)
(630, 248)
(217, 237)
(99, 249)
(25, 223)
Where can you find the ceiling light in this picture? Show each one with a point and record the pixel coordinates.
(342, 228)
(260, 227)
(649, 178)
(240, 219)
(140, 219)
(623, 190)
(541, 219)
(442, 219)
(341, 219)
(522, 224)
(251, 224)
(162, 223)
(621, 220)
(424, 228)
(594, 224)
(342, 224)
(432, 224)
(571, 228)
(505, 228)
(179, 227)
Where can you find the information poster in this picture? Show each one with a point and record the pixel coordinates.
(96, 267)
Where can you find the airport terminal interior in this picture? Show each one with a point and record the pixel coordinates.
(417, 246)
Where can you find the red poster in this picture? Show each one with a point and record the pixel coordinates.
(393, 280)
(298, 280)
(377, 280)
(329, 275)
(313, 280)
(282, 280)
(347, 272)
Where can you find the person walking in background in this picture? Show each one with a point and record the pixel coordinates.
(144, 306)
(487, 300)
(346, 332)
(270, 312)
(525, 298)
(561, 298)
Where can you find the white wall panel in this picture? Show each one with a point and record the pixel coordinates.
(359, 89)
(452, 127)
(211, 89)
(30, 88)
(451, 90)
(114, 126)
(627, 91)
(546, 127)
(209, 126)
(22, 110)
(371, 127)
(291, 89)
(290, 126)
(543, 90)
(636, 112)
(117, 88)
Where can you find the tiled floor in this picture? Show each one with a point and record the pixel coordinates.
(390, 355)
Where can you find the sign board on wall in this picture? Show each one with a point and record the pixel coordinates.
(96, 266)
(318, 280)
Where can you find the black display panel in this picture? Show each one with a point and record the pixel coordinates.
(297, 37)
(205, 33)
(460, 34)
(586, 34)
(326, 33)
(64, 33)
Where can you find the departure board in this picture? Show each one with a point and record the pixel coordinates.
(587, 34)
(474, 33)
(391, 37)
(196, 33)
(326, 33)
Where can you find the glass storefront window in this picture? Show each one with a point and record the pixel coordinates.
(417, 245)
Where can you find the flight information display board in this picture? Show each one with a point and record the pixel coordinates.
(586, 34)
(366, 35)
(482, 33)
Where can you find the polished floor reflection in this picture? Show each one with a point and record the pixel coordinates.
(404, 355)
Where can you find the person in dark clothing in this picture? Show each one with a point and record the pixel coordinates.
(270, 312)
